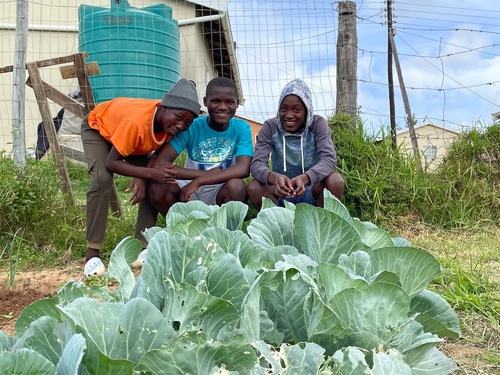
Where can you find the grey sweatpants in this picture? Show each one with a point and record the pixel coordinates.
(96, 150)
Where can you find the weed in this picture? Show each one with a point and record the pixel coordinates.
(13, 250)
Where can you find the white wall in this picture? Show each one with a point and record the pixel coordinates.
(62, 15)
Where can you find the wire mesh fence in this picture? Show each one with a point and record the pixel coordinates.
(143, 46)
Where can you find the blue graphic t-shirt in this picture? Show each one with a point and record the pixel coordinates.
(207, 148)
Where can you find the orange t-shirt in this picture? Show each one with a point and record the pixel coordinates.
(127, 123)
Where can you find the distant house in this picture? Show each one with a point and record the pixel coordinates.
(207, 50)
(255, 125)
(433, 142)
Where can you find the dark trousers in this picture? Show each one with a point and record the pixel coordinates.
(96, 150)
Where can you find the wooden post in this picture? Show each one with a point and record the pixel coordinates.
(347, 63)
(37, 84)
(409, 117)
(390, 78)
(18, 87)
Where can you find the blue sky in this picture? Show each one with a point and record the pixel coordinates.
(449, 53)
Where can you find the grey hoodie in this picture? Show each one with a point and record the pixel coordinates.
(309, 151)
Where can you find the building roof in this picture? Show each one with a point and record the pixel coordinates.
(220, 5)
(249, 120)
(424, 124)
(219, 37)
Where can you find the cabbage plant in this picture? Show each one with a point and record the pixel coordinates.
(298, 290)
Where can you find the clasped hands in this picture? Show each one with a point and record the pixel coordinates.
(285, 187)
(163, 174)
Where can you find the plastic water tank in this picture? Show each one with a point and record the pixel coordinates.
(137, 49)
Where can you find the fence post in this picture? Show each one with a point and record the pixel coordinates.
(18, 87)
(347, 61)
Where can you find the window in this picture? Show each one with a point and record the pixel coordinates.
(430, 152)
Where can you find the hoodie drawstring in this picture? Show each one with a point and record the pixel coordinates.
(302, 153)
(284, 153)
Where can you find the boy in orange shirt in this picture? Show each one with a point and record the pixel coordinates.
(120, 136)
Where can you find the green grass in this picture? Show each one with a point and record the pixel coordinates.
(471, 269)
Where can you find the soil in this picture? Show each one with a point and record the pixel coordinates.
(29, 287)
(477, 352)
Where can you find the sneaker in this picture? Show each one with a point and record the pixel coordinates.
(140, 259)
(94, 267)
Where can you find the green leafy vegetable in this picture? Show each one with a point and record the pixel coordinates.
(304, 290)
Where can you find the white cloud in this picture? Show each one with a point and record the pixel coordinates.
(446, 50)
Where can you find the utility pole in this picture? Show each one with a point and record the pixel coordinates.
(390, 78)
(19, 87)
(409, 117)
(347, 62)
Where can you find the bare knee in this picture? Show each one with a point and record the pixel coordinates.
(163, 196)
(233, 190)
(155, 192)
(256, 191)
(335, 184)
(254, 188)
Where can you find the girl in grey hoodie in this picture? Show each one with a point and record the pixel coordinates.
(302, 155)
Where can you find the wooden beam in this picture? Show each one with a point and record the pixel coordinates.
(48, 62)
(73, 153)
(84, 82)
(406, 102)
(62, 99)
(69, 71)
(43, 106)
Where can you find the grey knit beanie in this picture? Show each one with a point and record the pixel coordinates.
(182, 95)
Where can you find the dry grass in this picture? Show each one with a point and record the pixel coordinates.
(471, 283)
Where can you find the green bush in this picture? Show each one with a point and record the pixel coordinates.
(466, 188)
(31, 200)
(380, 181)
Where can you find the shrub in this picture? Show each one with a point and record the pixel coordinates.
(380, 180)
(31, 200)
(383, 183)
(466, 187)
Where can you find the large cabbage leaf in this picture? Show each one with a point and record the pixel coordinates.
(26, 362)
(194, 354)
(435, 314)
(324, 235)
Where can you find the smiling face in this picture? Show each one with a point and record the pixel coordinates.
(292, 113)
(171, 120)
(221, 103)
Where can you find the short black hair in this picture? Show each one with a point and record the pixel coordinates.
(221, 82)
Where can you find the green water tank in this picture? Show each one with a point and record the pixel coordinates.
(137, 49)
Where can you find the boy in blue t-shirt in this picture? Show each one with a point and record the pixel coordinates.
(219, 151)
